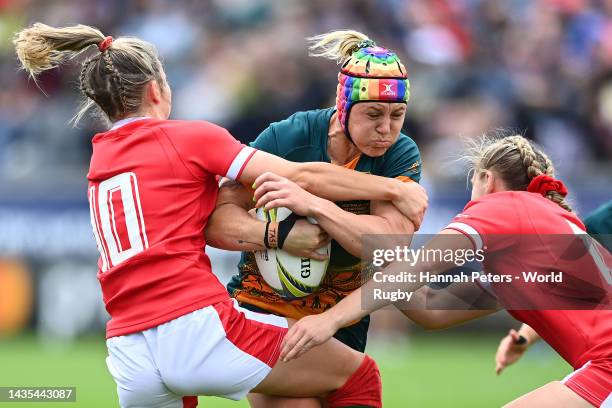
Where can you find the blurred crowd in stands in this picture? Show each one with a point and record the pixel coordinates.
(539, 67)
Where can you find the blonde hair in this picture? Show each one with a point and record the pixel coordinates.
(112, 79)
(516, 160)
(336, 45)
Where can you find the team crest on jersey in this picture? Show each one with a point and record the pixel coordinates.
(414, 167)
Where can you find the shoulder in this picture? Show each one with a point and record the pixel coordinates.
(482, 220)
(192, 133)
(190, 127)
(315, 116)
(491, 202)
(600, 222)
(404, 148)
(304, 121)
(486, 210)
(305, 128)
(521, 211)
(405, 143)
(402, 159)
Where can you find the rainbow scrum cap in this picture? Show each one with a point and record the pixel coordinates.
(371, 73)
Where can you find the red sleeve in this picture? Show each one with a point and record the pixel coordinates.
(492, 222)
(206, 148)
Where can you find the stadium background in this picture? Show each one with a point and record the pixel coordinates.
(540, 67)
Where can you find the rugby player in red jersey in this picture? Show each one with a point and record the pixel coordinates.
(174, 331)
(519, 219)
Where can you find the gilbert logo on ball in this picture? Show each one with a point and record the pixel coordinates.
(290, 276)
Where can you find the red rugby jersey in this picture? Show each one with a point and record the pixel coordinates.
(520, 232)
(152, 188)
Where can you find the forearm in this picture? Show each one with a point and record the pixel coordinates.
(231, 227)
(529, 334)
(440, 308)
(348, 229)
(361, 302)
(443, 319)
(336, 183)
(325, 180)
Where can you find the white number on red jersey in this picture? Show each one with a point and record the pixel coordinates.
(117, 220)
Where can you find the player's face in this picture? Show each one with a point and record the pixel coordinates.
(375, 126)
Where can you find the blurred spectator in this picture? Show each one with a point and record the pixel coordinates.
(542, 68)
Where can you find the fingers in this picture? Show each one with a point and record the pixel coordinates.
(302, 350)
(269, 196)
(281, 202)
(514, 336)
(290, 339)
(298, 349)
(266, 177)
(294, 340)
(267, 187)
(416, 221)
(323, 240)
(421, 217)
(271, 182)
(317, 256)
(502, 350)
(500, 360)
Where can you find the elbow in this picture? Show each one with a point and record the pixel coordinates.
(433, 323)
(216, 231)
(435, 327)
(427, 318)
(211, 236)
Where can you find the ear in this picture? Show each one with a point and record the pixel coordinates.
(154, 91)
(490, 182)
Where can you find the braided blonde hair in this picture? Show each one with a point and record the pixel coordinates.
(516, 160)
(112, 79)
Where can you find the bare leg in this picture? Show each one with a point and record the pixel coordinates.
(551, 395)
(266, 401)
(319, 371)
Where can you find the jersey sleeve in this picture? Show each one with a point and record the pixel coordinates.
(286, 136)
(403, 161)
(206, 148)
(266, 141)
(491, 223)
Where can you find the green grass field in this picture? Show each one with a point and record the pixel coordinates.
(429, 370)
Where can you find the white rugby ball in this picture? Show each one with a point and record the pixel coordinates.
(290, 276)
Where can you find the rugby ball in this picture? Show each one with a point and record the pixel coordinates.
(290, 276)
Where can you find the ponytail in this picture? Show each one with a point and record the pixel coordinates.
(42, 47)
(113, 79)
(337, 45)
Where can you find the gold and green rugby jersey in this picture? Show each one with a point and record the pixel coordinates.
(303, 138)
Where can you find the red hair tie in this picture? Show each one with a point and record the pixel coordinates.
(543, 184)
(105, 43)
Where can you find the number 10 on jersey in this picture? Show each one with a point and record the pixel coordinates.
(117, 220)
